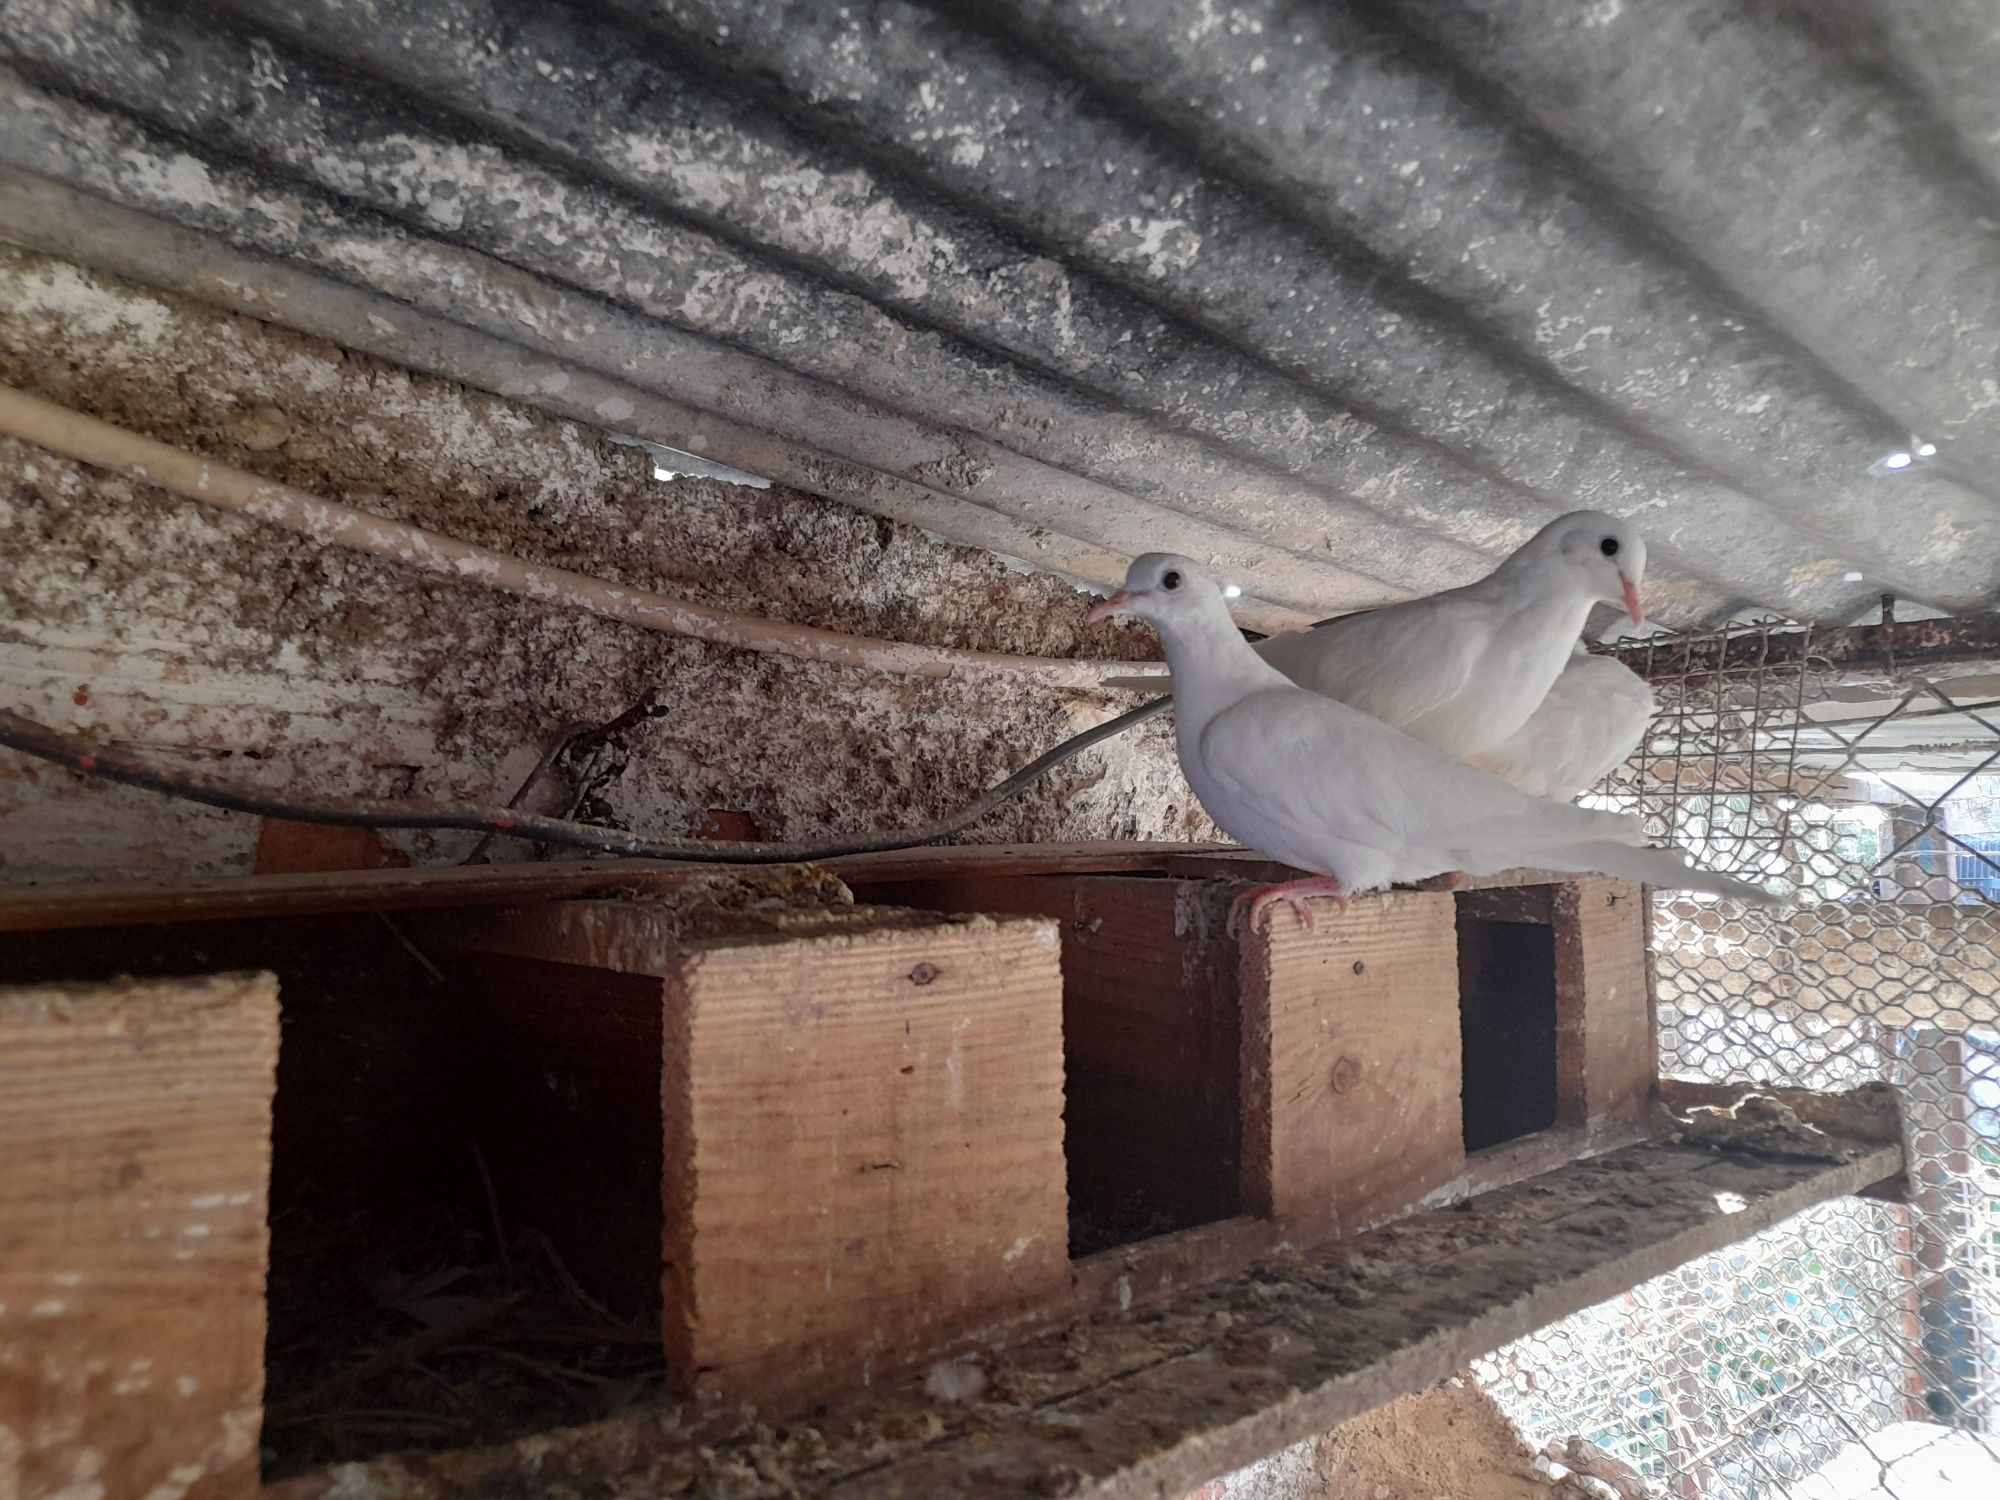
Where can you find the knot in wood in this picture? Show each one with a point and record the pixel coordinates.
(1360, 967)
(1346, 1073)
(923, 973)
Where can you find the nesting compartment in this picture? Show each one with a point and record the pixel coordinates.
(810, 1145)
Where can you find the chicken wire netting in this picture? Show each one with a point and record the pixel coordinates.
(1855, 1349)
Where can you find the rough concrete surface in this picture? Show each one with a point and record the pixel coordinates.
(217, 642)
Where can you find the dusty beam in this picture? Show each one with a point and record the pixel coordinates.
(1903, 643)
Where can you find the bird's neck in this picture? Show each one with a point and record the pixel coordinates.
(1213, 667)
(1541, 592)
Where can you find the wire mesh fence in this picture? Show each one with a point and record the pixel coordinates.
(1854, 1350)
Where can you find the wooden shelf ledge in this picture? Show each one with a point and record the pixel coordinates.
(60, 906)
(1142, 1404)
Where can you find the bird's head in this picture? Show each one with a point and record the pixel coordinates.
(1602, 555)
(1161, 588)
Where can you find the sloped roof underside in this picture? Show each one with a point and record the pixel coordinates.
(1344, 299)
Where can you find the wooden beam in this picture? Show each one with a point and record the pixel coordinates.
(1152, 1112)
(1904, 643)
(136, 1121)
(1116, 1408)
(114, 904)
(1351, 1062)
(1607, 1047)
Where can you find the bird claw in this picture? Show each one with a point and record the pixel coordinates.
(1249, 909)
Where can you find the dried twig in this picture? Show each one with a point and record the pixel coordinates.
(570, 1284)
(493, 1212)
(574, 736)
(437, 974)
(527, 785)
(566, 1375)
(394, 1356)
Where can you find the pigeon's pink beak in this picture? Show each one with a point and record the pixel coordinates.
(1632, 601)
(1104, 609)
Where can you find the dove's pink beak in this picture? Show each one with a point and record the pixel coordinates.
(1632, 601)
(1104, 609)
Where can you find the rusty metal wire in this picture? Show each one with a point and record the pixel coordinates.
(1857, 1346)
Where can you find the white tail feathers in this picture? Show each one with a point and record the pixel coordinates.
(1667, 868)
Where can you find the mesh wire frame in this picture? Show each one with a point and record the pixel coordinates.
(1746, 1371)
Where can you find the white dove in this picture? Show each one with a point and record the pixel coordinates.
(1462, 670)
(1326, 788)
(1589, 725)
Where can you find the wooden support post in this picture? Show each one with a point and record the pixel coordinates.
(1150, 1043)
(1351, 1062)
(862, 1139)
(1607, 1045)
(136, 1118)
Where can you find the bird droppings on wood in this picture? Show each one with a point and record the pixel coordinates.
(215, 641)
(1159, 1398)
(712, 903)
(1769, 1122)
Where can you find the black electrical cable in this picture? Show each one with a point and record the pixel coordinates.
(77, 754)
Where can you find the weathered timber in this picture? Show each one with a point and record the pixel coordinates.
(1152, 1110)
(1901, 643)
(136, 1118)
(1607, 1046)
(1118, 1406)
(856, 1114)
(1351, 1061)
(111, 904)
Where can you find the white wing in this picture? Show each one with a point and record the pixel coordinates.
(1590, 724)
(1319, 786)
(1323, 787)
(1401, 664)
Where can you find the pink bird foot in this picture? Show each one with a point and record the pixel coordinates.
(1248, 909)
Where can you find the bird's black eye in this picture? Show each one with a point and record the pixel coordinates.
(1609, 546)
(1170, 580)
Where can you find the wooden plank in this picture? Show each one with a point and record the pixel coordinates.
(370, 1060)
(83, 905)
(864, 1145)
(1117, 1408)
(1607, 1048)
(1351, 1062)
(851, 1118)
(1150, 1042)
(1898, 644)
(1513, 903)
(136, 1122)
(1296, 1371)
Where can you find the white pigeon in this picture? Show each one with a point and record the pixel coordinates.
(1324, 787)
(1462, 670)
(1589, 725)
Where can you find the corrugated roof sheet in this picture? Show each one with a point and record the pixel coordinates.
(1345, 299)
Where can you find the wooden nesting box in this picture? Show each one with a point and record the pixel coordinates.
(818, 1148)
(826, 1140)
(135, 1152)
(1330, 1078)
